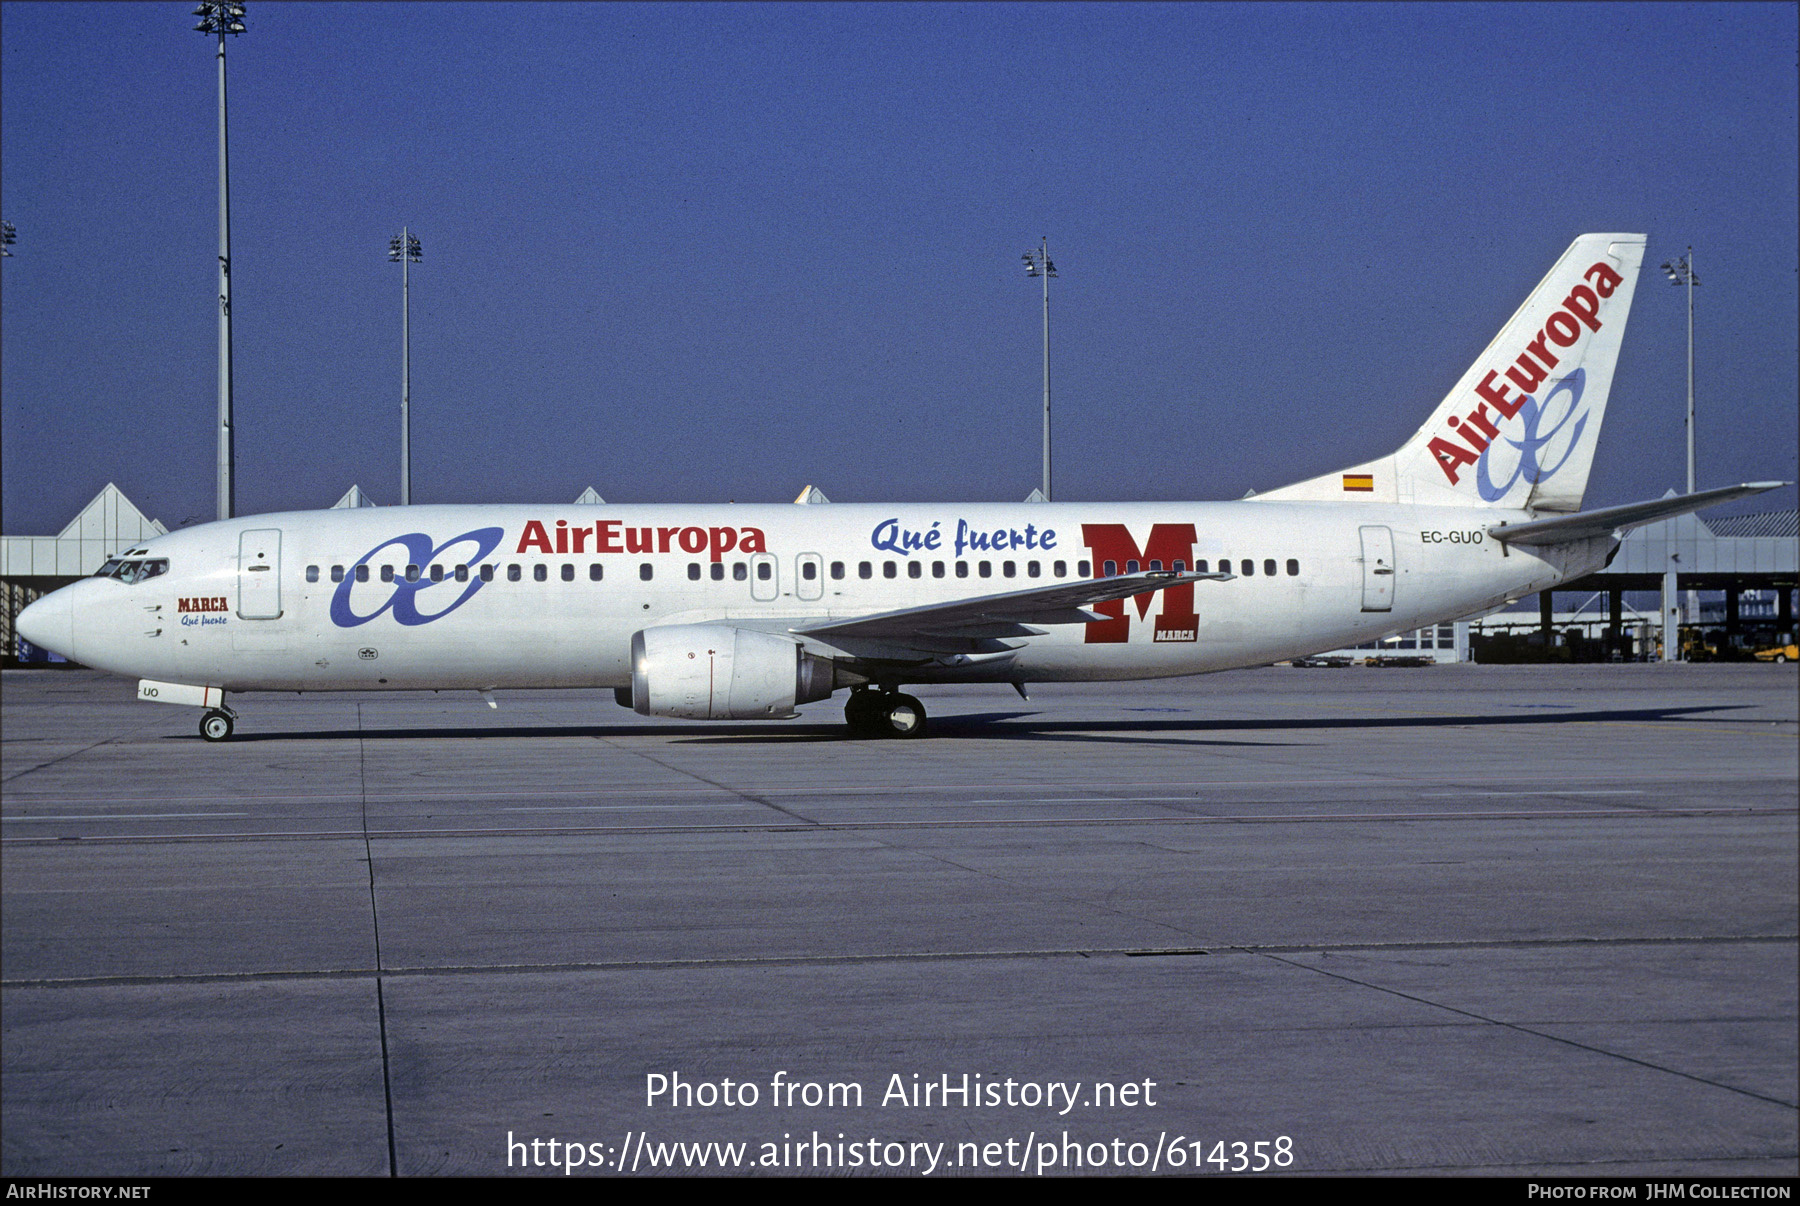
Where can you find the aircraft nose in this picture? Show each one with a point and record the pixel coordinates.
(49, 623)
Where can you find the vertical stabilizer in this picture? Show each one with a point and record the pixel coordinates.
(1520, 427)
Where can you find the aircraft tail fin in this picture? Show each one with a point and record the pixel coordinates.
(1519, 429)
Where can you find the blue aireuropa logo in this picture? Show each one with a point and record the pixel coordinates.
(1532, 440)
(403, 596)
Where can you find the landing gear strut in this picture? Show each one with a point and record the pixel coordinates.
(871, 713)
(217, 724)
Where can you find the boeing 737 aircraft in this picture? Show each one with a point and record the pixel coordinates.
(736, 612)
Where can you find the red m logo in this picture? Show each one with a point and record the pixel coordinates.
(1171, 546)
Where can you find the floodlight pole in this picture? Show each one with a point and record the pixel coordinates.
(1037, 263)
(1688, 273)
(1681, 272)
(404, 248)
(225, 17)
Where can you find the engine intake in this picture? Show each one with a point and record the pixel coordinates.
(712, 672)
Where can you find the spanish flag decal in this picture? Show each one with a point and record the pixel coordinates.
(1359, 481)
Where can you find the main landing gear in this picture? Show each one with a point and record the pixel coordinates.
(872, 713)
(217, 724)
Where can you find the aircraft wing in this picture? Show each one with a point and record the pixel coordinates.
(1616, 521)
(1005, 615)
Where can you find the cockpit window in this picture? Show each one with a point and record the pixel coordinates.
(133, 570)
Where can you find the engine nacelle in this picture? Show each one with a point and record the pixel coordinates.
(713, 672)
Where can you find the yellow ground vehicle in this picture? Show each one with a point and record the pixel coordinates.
(1779, 653)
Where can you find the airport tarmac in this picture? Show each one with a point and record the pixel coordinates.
(1464, 919)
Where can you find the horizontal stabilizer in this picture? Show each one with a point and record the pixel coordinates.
(1001, 615)
(1616, 521)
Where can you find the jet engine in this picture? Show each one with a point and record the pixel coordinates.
(712, 672)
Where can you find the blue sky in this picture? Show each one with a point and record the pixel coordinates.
(717, 252)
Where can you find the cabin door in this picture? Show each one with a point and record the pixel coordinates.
(259, 574)
(1378, 569)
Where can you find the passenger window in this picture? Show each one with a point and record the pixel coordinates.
(646, 571)
(1269, 567)
(514, 573)
(337, 573)
(1293, 568)
(718, 571)
(362, 573)
(596, 571)
(889, 570)
(984, 569)
(740, 572)
(962, 569)
(864, 570)
(937, 569)
(1060, 569)
(568, 572)
(1248, 567)
(1032, 569)
(1156, 566)
(487, 573)
(312, 573)
(1109, 569)
(809, 570)
(387, 573)
(1009, 569)
(837, 571)
(540, 572)
(437, 573)
(1180, 565)
(915, 569)
(764, 571)
(462, 573)
(693, 571)
(412, 573)
(1131, 567)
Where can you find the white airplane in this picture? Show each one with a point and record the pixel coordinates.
(736, 612)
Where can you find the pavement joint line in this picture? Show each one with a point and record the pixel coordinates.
(387, 1080)
(1520, 1028)
(804, 825)
(799, 960)
(790, 788)
(739, 793)
(116, 739)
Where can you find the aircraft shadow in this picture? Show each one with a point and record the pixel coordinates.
(1015, 725)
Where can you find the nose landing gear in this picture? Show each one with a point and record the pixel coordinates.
(872, 713)
(217, 724)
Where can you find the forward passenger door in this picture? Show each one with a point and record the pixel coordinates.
(259, 574)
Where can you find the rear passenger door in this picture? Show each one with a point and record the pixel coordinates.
(1378, 568)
